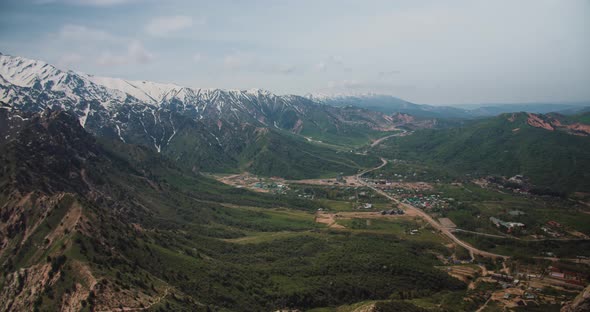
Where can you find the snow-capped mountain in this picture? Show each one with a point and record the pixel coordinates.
(185, 123)
(25, 82)
(34, 85)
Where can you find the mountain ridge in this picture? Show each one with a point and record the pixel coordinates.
(204, 129)
(106, 226)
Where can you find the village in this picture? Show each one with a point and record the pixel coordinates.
(254, 183)
(350, 205)
(421, 195)
(514, 285)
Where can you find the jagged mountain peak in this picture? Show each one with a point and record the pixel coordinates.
(77, 87)
(25, 81)
(146, 91)
(26, 72)
(188, 124)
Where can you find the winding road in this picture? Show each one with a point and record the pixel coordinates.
(472, 250)
(378, 141)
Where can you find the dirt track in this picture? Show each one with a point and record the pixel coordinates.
(330, 218)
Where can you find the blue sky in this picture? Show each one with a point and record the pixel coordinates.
(454, 52)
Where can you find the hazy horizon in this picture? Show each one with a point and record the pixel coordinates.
(460, 52)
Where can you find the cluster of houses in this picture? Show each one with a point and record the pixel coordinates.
(399, 177)
(518, 184)
(426, 202)
(518, 290)
(552, 229)
(391, 185)
(507, 281)
(505, 278)
(575, 278)
(526, 295)
(365, 206)
(551, 232)
(509, 226)
(360, 195)
(272, 186)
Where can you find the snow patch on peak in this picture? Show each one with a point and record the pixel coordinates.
(330, 96)
(18, 72)
(258, 91)
(74, 88)
(146, 91)
(25, 72)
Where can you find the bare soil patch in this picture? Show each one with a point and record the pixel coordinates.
(331, 219)
(446, 222)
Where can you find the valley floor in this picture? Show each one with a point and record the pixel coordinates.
(363, 205)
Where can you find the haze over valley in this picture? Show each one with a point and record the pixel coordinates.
(294, 156)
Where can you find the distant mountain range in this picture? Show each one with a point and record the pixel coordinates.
(227, 130)
(390, 104)
(203, 129)
(566, 108)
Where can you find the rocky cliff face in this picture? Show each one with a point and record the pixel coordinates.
(53, 194)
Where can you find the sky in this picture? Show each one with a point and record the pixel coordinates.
(433, 52)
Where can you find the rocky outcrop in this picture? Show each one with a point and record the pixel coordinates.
(552, 122)
(580, 304)
(537, 122)
(410, 122)
(23, 287)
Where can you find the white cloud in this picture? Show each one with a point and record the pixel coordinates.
(138, 53)
(321, 66)
(237, 61)
(164, 25)
(363, 86)
(332, 62)
(336, 59)
(251, 63)
(67, 60)
(91, 43)
(97, 3)
(387, 73)
(197, 57)
(346, 84)
(83, 33)
(135, 54)
(109, 58)
(284, 69)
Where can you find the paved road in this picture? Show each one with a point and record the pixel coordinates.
(472, 250)
(377, 142)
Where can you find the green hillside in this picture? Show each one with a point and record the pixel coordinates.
(103, 225)
(273, 153)
(582, 117)
(500, 146)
